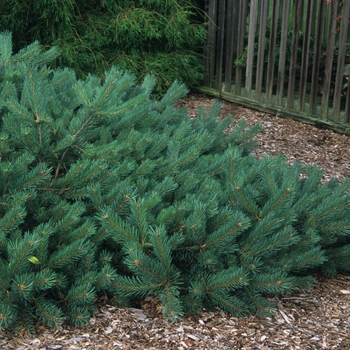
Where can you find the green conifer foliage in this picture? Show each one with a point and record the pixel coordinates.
(105, 190)
(158, 37)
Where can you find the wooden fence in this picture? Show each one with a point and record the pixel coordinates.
(287, 57)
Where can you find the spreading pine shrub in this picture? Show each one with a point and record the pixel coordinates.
(104, 190)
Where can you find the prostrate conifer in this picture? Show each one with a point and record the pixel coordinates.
(104, 190)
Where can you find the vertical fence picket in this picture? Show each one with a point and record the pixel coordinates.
(261, 48)
(230, 34)
(341, 59)
(240, 43)
(236, 19)
(327, 23)
(315, 7)
(209, 54)
(250, 49)
(329, 59)
(220, 44)
(305, 55)
(293, 59)
(272, 50)
(317, 57)
(283, 50)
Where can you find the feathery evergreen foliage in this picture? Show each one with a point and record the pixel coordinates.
(158, 37)
(104, 190)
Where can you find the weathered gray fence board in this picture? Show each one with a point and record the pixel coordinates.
(329, 59)
(283, 50)
(305, 56)
(261, 48)
(250, 49)
(317, 57)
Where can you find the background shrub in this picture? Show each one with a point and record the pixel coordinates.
(162, 38)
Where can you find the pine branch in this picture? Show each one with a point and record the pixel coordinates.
(48, 312)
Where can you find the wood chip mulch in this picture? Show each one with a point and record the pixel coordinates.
(314, 319)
